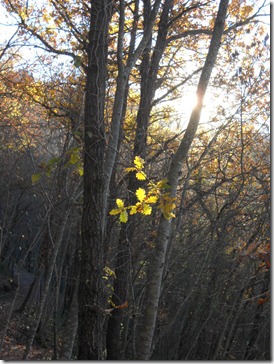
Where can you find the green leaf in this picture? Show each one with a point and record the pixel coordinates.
(35, 177)
(48, 171)
(53, 161)
(74, 158)
(77, 61)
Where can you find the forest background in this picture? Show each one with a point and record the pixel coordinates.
(135, 180)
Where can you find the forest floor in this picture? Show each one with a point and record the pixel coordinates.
(14, 331)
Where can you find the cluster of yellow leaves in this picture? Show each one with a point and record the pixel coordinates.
(143, 204)
(145, 200)
(138, 168)
(121, 209)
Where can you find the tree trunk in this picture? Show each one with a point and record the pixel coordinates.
(97, 170)
(149, 69)
(122, 80)
(158, 261)
(91, 308)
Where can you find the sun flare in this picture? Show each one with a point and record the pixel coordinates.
(187, 102)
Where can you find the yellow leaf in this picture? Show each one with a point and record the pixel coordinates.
(139, 162)
(229, 250)
(163, 184)
(130, 169)
(140, 194)
(120, 203)
(123, 216)
(74, 158)
(120, 209)
(81, 171)
(152, 199)
(115, 212)
(133, 210)
(168, 215)
(146, 209)
(170, 206)
(166, 206)
(141, 176)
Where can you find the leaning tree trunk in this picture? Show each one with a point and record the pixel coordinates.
(156, 267)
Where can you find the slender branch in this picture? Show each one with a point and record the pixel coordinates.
(7, 46)
(174, 88)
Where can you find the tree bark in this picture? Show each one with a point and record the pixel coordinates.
(158, 261)
(90, 329)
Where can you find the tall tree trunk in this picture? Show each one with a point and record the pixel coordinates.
(98, 168)
(158, 260)
(122, 80)
(90, 329)
(149, 69)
